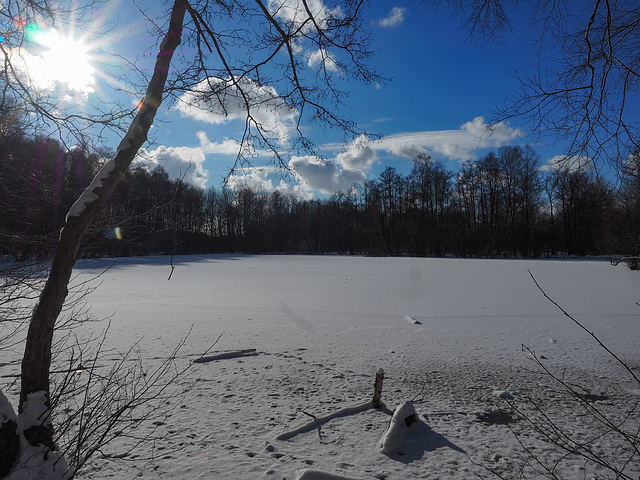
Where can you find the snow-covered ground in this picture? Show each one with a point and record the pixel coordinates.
(447, 332)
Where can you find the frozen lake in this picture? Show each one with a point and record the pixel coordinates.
(447, 332)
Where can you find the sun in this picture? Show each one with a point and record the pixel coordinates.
(61, 62)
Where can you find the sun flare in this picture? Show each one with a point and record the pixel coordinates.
(62, 61)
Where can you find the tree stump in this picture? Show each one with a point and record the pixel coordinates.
(9, 440)
(377, 388)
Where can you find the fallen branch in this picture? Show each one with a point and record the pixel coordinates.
(227, 355)
(313, 425)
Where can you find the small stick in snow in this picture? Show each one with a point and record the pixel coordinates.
(377, 388)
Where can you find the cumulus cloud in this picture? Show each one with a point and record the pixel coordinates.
(179, 162)
(322, 57)
(489, 135)
(227, 147)
(295, 13)
(572, 163)
(395, 17)
(359, 156)
(316, 173)
(340, 173)
(218, 101)
(258, 179)
(297, 191)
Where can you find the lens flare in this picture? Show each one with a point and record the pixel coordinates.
(114, 233)
(19, 22)
(31, 31)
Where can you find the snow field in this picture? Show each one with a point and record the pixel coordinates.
(303, 337)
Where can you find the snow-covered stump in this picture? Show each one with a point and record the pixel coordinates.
(377, 388)
(9, 440)
(38, 458)
(403, 417)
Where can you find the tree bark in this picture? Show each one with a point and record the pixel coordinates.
(37, 356)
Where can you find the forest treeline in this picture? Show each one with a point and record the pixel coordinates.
(498, 205)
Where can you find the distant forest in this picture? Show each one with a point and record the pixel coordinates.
(499, 205)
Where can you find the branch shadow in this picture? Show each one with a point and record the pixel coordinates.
(317, 422)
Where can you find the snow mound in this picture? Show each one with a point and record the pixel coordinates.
(508, 394)
(412, 320)
(403, 418)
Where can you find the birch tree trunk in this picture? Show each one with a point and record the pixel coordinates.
(37, 355)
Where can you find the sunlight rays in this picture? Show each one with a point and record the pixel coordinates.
(63, 61)
(59, 57)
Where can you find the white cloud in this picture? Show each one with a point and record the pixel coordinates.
(384, 119)
(322, 57)
(489, 135)
(315, 173)
(295, 13)
(179, 162)
(359, 156)
(573, 163)
(395, 17)
(302, 17)
(453, 144)
(452, 151)
(354, 164)
(295, 190)
(257, 178)
(227, 147)
(218, 101)
(406, 150)
(329, 176)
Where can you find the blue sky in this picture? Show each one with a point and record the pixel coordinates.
(444, 92)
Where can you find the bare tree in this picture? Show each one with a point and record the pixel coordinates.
(588, 71)
(199, 66)
(629, 223)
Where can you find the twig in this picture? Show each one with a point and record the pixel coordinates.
(608, 350)
(172, 268)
